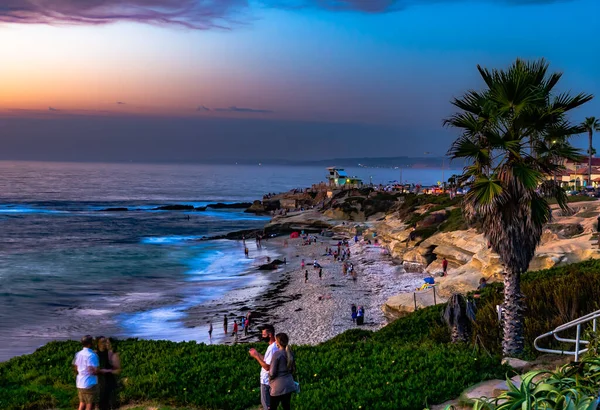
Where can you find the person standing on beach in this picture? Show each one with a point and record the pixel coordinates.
(246, 251)
(302, 264)
(353, 311)
(235, 330)
(360, 316)
(210, 329)
(444, 267)
(268, 335)
(306, 276)
(225, 323)
(320, 273)
(85, 365)
(246, 326)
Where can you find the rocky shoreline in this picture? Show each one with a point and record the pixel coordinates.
(318, 310)
(568, 239)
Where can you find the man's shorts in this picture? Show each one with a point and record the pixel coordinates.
(88, 396)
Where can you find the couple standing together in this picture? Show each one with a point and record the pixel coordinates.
(96, 374)
(276, 380)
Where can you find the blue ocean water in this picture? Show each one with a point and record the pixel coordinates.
(68, 268)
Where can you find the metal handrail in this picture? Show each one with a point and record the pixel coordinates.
(593, 317)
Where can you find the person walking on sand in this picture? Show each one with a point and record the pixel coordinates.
(85, 365)
(444, 267)
(225, 323)
(302, 264)
(210, 329)
(280, 373)
(353, 311)
(268, 335)
(306, 276)
(320, 273)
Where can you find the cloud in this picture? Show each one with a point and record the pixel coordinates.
(53, 109)
(193, 14)
(202, 108)
(121, 103)
(244, 110)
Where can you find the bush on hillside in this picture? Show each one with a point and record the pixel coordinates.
(552, 297)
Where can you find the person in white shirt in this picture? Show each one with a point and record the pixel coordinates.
(85, 365)
(268, 334)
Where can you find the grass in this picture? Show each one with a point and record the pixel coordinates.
(574, 198)
(402, 366)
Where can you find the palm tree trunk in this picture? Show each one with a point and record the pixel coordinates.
(590, 159)
(513, 342)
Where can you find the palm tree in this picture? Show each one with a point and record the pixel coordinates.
(590, 124)
(514, 136)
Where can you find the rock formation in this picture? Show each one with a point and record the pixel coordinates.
(567, 239)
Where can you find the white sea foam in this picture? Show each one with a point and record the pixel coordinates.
(8, 209)
(169, 240)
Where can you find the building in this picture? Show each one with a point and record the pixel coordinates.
(577, 179)
(582, 163)
(576, 173)
(337, 177)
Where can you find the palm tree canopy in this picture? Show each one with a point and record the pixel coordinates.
(514, 135)
(591, 124)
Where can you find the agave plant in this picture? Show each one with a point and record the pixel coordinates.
(540, 390)
(514, 136)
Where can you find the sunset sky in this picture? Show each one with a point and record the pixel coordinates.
(370, 77)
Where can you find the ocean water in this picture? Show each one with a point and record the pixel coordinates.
(68, 268)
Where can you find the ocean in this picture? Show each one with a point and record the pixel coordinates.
(68, 267)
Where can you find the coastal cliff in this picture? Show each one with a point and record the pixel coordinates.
(568, 239)
(439, 232)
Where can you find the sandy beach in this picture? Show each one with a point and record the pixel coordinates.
(319, 309)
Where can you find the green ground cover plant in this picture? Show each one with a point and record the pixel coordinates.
(354, 370)
(405, 365)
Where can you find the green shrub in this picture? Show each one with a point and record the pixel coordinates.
(552, 297)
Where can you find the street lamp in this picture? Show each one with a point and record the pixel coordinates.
(443, 165)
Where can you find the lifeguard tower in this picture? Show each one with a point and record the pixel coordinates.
(338, 178)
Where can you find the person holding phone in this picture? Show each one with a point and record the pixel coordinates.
(268, 335)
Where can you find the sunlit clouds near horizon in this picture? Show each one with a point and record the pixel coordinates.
(390, 63)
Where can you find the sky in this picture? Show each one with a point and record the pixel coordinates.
(190, 80)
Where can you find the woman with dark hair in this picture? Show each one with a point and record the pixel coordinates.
(110, 367)
(280, 375)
